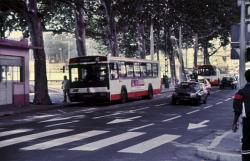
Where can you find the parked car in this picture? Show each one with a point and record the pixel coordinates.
(207, 85)
(190, 91)
(228, 82)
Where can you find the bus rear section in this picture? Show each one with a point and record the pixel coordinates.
(209, 72)
(134, 78)
(101, 79)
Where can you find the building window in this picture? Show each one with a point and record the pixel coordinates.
(11, 73)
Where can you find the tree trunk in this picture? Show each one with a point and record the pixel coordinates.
(196, 48)
(141, 40)
(170, 51)
(158, 45)
(36, 33)
(152, 40)
(112, 36)
(206, 54)
(183, 74)
(80, 33)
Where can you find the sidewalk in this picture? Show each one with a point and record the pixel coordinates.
(225, 147)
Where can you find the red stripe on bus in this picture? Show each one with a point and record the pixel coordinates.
(134, 94)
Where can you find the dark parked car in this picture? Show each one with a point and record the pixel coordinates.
(190, 91)
(228, 82)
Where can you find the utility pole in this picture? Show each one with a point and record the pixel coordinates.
(242, 63)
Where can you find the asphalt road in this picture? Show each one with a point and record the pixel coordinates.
(142, 130)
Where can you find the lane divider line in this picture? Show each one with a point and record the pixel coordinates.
(192, 112)
(176, 117)
(141, 127)
(208, 107)
(219, 103)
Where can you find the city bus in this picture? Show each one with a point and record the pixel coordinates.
(211, 73)
(106, 78)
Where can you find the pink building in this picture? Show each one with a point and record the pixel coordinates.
(14, 72)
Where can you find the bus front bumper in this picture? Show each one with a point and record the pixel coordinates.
(90, 97)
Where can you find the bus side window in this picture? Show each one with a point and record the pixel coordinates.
(149, 70)
(143, 68)
(122, 69)
(130, 70)
(113, 71)
(155, 70)
(137, 70)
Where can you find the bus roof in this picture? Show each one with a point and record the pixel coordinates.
(106, 58)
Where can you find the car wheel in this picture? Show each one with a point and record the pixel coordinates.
(205, 100)
(173, 101)
(198, 101)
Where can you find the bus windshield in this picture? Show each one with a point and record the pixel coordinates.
(89, 74)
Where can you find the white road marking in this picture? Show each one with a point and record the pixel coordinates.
(199, 125)
(192, 112)
(139, 109)
(228, 99)
(208, 107)
(87, 110)
(30, 137)
(41, 116)
(219, 103)
(123, 120)
(11, 132)
(150, 144)
(61, 119)
(141, 127)
(61, 111)
(64, 140)
(113, 114)
(64, 123)
(108, 141)
(176, 117)
(161, 104)
(218, 139)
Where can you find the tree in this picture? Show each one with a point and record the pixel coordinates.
(110, 17)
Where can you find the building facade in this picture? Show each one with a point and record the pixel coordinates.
(14, 72)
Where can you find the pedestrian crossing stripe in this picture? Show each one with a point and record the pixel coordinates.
(139, 148)
(11, 132)
(64, 140)
(150, 144)
(30, 137)
(108, 141)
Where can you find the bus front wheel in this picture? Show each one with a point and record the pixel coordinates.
(124, 96)
(150, 92)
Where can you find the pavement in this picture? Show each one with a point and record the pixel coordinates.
(224, 147)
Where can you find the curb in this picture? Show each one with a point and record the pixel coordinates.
(45, 108)
(216, 155)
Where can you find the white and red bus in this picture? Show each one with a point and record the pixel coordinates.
(104, 78)
(211, 73)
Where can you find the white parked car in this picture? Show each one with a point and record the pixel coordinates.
(207, 85)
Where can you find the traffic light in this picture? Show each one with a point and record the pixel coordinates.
(247, 54)
(63, 69)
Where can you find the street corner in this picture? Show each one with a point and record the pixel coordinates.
(224, 147)
(214, 155)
